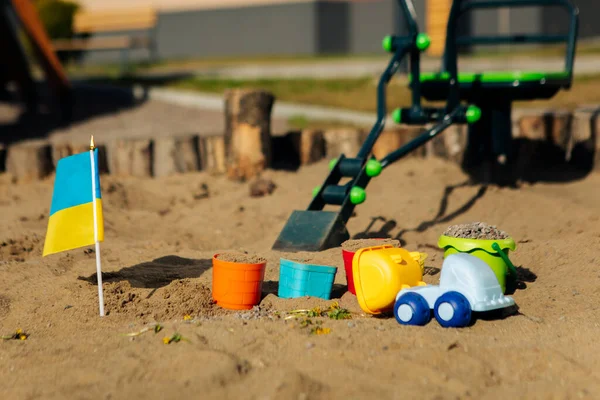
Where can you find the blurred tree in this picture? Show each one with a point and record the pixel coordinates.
(57, 18)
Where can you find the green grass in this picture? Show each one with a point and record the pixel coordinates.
(191, 64)
(360, 93)
(302, 122)
(357, 93)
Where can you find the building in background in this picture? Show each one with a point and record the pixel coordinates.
(229, 28)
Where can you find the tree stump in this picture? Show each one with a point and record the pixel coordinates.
(29, 160)
(547, 128)
(130, 157)
(61, 150)
(312, 146)
(542, 138)
(343, 141)
(247, 132)
(584, 149)
(393, 138)
(66, 149)
(297, 148)
(450, 144)
(388, 141)
(212, 154)
(174, 155)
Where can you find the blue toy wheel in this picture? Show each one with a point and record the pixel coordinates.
(412, 309)
(452, 310)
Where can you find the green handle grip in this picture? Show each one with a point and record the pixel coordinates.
(512, 271)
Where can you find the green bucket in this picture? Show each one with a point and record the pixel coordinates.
(493, 252)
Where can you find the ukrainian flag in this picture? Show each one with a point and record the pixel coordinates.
(71, 223)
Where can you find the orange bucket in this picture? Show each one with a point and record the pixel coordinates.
(237, 285)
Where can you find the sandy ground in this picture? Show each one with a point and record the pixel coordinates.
(162, 233)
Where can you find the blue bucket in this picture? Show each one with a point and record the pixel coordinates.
(298, 280)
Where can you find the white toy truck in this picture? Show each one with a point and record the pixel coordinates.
(467, 284)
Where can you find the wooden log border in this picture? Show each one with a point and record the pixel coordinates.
(549, 136)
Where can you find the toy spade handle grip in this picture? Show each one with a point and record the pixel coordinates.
(511, 268)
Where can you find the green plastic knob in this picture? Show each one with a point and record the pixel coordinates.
(373, 168)
(316, 190)
(473, 114)
(397, 115)
(332, 163)
(387, 44)
(423, 41)
(357, 195)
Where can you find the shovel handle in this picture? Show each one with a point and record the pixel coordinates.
(511, 268)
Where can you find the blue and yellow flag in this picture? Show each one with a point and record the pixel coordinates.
(71, 223)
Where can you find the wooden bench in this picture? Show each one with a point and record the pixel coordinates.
(108, 24)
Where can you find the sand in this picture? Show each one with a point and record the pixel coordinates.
(237, 257)
(355, 244)
(157, 262)
(475, 230)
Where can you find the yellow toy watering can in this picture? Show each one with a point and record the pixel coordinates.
(380, 272)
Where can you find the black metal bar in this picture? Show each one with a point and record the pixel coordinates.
(410, 16)
(467, 40)
(381, 102)
(329, 192)
(408, 10)
(344, 167)
(572, 44)
(415, 70)
(362, 180)
(420, 140)
(415, 55)
(350, 167)
(421, 115)
(318, 203)
(459, 7)
(335, 194)
(449, 59)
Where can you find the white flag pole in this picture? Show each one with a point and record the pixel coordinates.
(98, 268)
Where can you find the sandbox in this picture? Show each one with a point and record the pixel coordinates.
(157, 267)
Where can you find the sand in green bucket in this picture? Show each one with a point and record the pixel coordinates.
(493, 251)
